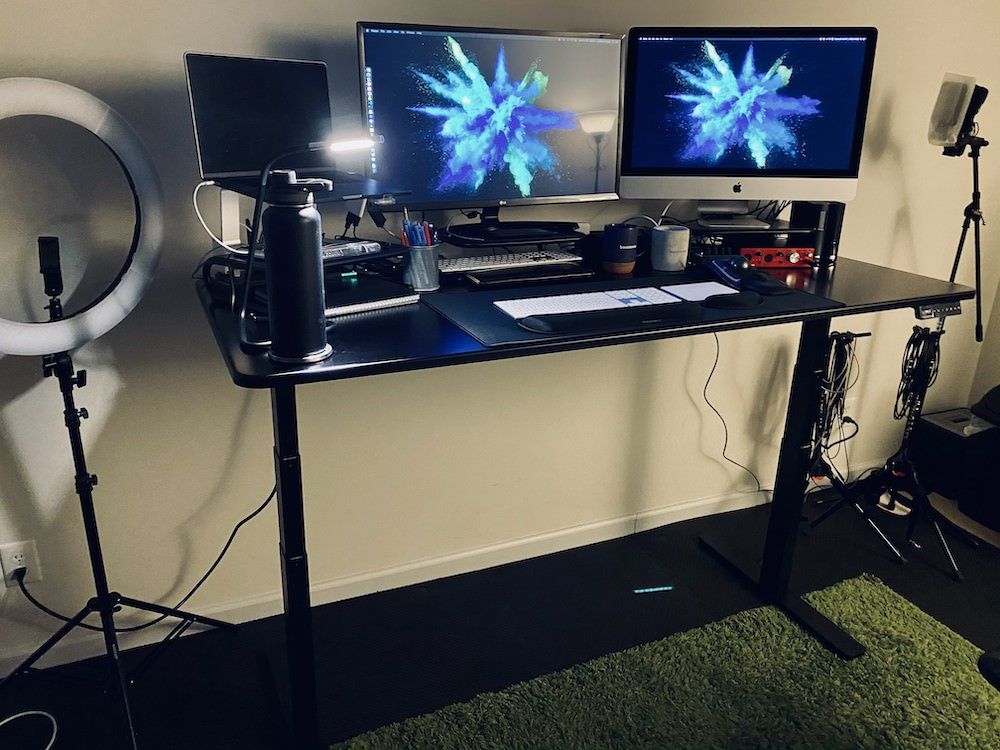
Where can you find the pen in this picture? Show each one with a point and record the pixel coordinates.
(427, 233)
(411, 231)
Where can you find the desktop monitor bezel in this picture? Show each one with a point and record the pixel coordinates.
(474, 203)
(700, 183)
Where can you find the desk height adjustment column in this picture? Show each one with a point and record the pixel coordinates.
(794, 460)
(771, 573)
(294, 569)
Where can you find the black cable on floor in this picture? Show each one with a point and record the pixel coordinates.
(21, 572)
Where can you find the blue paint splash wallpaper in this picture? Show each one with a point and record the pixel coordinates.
(493, 126)
(733, 113)
(489, 117)
(705, 106)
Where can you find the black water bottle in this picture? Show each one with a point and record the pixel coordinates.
(296, 299)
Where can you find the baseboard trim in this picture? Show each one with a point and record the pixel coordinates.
(84, 645)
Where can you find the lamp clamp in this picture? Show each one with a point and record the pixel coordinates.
(285, 187)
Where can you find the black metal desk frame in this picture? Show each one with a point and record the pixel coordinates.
(415, 338)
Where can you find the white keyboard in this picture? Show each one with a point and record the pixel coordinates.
(506, 260)
(585, 302)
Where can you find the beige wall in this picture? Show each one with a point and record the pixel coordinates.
(407, 468)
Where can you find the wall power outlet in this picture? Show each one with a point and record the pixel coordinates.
(17, 555)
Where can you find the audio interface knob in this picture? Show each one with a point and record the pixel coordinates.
(794, 257)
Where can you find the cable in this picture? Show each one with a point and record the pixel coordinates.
(842, 372)
(21, 572)
(19, 575)
(650, 219)
(921, 360)
(197, 212)
(46, 714)
(725, 427)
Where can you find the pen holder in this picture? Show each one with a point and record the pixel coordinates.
(422, 268)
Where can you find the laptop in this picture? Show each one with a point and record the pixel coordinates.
(247, 110)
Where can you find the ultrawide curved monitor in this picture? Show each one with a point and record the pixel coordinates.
(487, 117)
(756, 113)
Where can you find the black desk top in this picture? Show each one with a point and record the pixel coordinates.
(415, 337)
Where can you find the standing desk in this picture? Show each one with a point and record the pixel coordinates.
(416, 337)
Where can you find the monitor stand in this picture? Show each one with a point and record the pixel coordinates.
(728, 215)
(490, 231)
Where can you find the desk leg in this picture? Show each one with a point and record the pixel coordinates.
(294, 568)
(789, 496)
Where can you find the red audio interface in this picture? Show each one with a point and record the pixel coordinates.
(779, 257)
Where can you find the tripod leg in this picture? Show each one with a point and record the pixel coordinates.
(179, 613)
(915, 513)
(957, 531)
(24, 666)
(834, 507)
(961, 244)
(977, 220)
(923, 502)
(955, 572)
(117, 668)
(158, 650)
(881, 535)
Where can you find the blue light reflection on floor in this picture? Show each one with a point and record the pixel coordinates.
(653, 590)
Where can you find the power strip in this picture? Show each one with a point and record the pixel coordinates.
(938, 310)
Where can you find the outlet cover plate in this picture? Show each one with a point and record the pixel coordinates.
(17, 554)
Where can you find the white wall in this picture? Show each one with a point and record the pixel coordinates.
(421, 466)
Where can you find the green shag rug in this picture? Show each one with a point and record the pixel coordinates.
(750, 681)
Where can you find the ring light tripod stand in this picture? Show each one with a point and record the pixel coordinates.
(62, 334)
(106, 602)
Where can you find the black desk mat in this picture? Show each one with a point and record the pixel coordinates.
(475, 313)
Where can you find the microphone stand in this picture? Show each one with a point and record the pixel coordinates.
(973, 216)
(847, 495)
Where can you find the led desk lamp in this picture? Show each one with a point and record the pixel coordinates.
(57, 337)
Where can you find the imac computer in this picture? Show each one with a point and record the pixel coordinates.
(745, 114)
(483, 118)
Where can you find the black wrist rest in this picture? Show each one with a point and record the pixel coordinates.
(736, 301)
(607, 321)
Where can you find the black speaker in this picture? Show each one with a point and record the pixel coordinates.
(826, 219)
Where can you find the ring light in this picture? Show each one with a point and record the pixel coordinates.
(37, 96)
